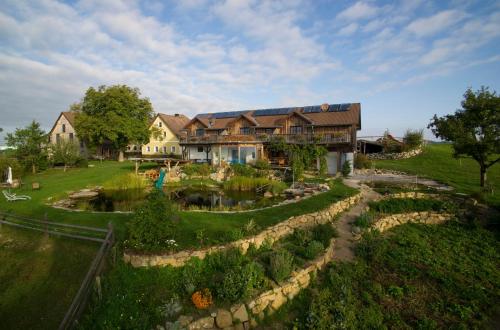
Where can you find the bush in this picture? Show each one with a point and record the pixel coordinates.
(243, 170)
(403, 205)
(413, 139)
(313, 249)
(151, 228)
(244, 183)
(280, 265)
(364, 220)
(203, 170)
(82, 163)
(346, 168)
(240, 282)
(262, 164)
(361, 161)
(5, 162)
(323, 233)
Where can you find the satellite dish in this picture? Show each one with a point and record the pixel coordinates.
(324, 107)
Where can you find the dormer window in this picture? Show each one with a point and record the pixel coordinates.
(64, 128)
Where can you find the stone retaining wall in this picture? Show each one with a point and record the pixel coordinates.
(396, 155)
(414, 195)
(246, 315)
(271, 234)
(426, 217)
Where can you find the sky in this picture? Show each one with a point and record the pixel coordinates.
(404, 61)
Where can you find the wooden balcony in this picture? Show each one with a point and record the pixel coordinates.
(326, 138)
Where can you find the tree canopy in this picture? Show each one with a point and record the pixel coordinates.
(473, 130)
(115, 114)
(29, 144)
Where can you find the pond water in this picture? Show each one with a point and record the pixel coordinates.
(186, 198)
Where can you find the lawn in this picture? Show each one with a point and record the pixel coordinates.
(39, 277)
(218, 227)
(436, 162)
(413, 277)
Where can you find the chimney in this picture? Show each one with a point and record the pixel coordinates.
(176, 115)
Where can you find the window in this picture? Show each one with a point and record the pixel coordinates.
(164, 150)
(50, 139)
(71, 136)
(200, 132)
(58, 138)
(64, 128)
(148, 148)
(135, 148)
(164, 134)
(295, 129)
(244, 130)
(156, 148)
(172, 149)
(159, 124)
(269, 130)
(200, 149)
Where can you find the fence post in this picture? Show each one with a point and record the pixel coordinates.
(98, 285)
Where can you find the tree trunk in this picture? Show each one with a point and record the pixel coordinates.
(121, 158)
(483, 175)
(33, 168)
(64, 167)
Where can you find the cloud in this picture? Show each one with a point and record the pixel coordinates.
(348, 30)
(359, 10)
(423, 27)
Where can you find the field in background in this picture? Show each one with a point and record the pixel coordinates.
(437, 162)
(39, 277)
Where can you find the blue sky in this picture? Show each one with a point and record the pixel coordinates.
(403, 60)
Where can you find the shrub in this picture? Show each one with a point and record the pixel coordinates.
(313, 249)
(323, 233)
(82, 162)
(243, 170)
(240, 282)
(413, 139)
(151, 228)
(5, 162)
(280, 265)
(302, 237)
(346, 168)
(203, 170)
(244, 183)
(262, 164)
(361, 161)
(403, 205)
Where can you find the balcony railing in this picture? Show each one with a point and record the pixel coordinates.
(326, 138)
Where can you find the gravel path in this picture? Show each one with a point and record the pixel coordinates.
(345, 242)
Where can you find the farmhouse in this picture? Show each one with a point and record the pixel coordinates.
(64, 130)
(245, 136)
(165, 135)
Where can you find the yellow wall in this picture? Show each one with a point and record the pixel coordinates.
(166, 140)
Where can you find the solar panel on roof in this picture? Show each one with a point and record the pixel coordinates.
(334, 107)
(345, 106)
(273, 112)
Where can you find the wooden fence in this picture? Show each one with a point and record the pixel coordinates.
(104, 236)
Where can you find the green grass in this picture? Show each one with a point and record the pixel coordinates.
(39, 277)
(415, 276)
(436, 162)
(55, 184)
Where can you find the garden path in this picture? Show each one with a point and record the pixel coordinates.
(344, 243)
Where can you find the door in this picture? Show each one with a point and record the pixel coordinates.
(331, 162)
(234, 156)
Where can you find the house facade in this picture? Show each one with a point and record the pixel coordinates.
(64, 130)
(245, 136)
(164, 140)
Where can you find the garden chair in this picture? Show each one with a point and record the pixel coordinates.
(11, 197)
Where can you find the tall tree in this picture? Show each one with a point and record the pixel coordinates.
(29, 144)
(115, 115)
(473, 130)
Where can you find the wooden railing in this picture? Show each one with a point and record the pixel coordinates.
(327, 138)
(94, 234)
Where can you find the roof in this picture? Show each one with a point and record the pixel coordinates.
(316, 115)
(174, 122)
(70, 117)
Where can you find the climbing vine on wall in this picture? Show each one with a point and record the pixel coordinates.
(301, 156)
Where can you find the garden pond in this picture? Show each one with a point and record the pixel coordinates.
(190, 198)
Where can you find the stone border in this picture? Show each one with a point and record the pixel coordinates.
(395, 155)
(270, 234)
(245, 315)
(426, 217)
(414, 195)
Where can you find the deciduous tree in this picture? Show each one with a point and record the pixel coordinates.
(115, 115)
(474, 130)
